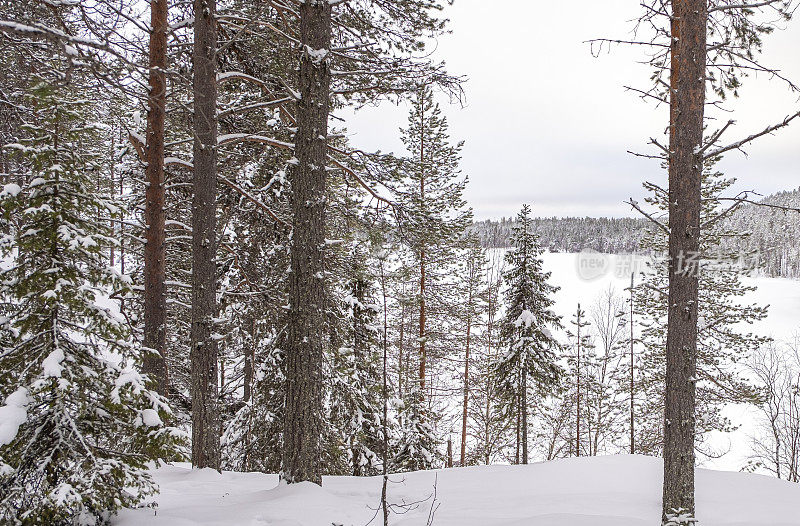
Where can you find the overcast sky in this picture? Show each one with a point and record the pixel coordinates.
(547, 123)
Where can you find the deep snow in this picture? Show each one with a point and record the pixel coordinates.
(599, 491)
(603, 491)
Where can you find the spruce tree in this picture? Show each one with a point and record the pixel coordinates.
(357, 405)
(529, 362)
(79, 424)
(417, 447)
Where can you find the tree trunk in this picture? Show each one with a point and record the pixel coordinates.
(633, 440)
(155, 299)
(449, 452)
(205, 412)
(466, 386)
(687, 100)
(307, 303)
(524, 410)
(422, 320)
(578, 390)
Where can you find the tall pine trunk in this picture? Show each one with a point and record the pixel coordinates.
(632, 408)
(155, 301)
(400, 343)
(423, 358)
(466, 385)
(205, 411)
(687, 101)
(306, 329)
(422, 320)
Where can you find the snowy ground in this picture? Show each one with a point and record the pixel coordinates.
(600, 491)
(603, 491)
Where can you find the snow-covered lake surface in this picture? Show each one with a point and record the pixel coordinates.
(599, 491)
(583, 277)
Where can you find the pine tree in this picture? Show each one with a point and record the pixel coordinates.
(582, 344)
(436, 217)
(722, 312)
(82, 423)
(155, 298)
(206, 427)
(705, 48)
(307, 299)
(525, 330)
(470, 312)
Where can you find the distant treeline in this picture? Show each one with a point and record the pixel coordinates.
(571, 234)
(774, 234)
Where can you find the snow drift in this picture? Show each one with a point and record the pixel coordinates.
(598, 491)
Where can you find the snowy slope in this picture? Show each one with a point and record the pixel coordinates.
(600, 491)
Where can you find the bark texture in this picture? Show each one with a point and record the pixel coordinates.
(687, 100)
(423, 357)
(155, 299)
(578, 390)
(306, 326)
(632, 372)
(523, 408)
(465, 407)
(205, 412)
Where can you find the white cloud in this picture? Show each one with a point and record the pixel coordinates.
(546, 122)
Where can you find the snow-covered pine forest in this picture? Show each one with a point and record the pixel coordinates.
(217, 307)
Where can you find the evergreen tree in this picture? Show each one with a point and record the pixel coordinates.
(357, 406)
(580, 379)
(470, 312)
(418, 446)
(525, 330)
(79, 424)
(436, 217)
(722, 344)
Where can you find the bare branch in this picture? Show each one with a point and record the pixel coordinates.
(743, 6)
(737, 145)
(715, 137)
(658, 223)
